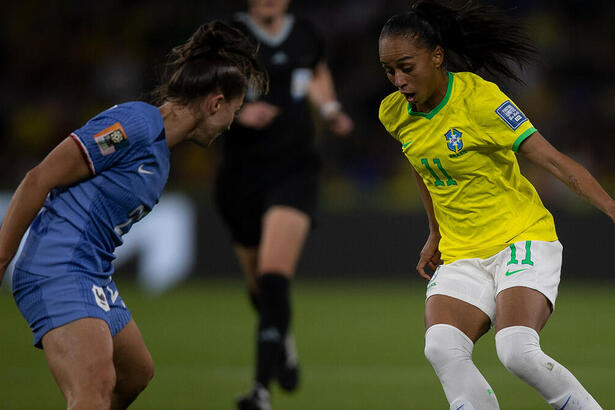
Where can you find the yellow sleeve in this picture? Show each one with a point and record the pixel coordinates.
(499, 119)
(389, 114)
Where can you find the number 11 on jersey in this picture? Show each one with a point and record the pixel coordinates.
(438, 182)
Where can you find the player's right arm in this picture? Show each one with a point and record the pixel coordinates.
(321, 93)
(430, 255)
(63, 166)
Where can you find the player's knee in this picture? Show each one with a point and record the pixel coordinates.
(94, 392)
(141, 378)
(517, 348)
(148, 374)
(106, 381)
(445, 344)
(130, 385)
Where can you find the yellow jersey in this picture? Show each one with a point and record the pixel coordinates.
(464, 150)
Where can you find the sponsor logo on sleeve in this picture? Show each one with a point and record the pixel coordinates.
(511, 115)
(111, 139)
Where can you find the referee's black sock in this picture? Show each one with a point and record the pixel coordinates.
(273, 326)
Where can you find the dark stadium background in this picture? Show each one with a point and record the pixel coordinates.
(64, 61)
(358, 302)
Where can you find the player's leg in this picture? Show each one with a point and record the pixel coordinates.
(133, 363)
(526, 286)
(258, 397)
(80, 356)
(521, 314)
(248, 262)
(284, 232)
(453, 326)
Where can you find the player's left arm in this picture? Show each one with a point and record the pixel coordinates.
(430, 254)
(63, 166)
(538, 150)
(321, 93)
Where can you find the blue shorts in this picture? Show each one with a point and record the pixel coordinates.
(51, 301)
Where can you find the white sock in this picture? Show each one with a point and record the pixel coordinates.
(450, 352)
(519, 350)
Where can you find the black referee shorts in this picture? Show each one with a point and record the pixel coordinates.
(245, 192)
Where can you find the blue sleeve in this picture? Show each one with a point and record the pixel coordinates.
(109, 139)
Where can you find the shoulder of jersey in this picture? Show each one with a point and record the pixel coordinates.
(138, 106)
(145, 110)
(474, 86)
(391, 107)
(138, 112)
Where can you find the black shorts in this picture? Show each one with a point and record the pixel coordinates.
(245, 191)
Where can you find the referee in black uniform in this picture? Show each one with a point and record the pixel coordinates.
(268, 181)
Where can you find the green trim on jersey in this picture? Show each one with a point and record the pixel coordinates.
(436, 110)
(522, 138)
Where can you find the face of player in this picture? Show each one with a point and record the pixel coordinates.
(268, 9)
(217, 117)
(415, 70)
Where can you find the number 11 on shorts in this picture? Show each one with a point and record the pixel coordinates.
(528, 254)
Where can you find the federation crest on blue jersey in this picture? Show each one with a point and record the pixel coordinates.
(511, 115)
(111, 139)
(453, 140)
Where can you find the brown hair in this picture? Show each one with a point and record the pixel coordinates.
(217, 57)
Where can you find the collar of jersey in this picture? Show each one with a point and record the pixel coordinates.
(432, 113)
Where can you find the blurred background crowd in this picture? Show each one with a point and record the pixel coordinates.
(64, 61)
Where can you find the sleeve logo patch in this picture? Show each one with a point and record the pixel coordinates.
(111, 139)
(511, 115)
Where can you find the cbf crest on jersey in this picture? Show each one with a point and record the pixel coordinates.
(453, 140)
(111, 139)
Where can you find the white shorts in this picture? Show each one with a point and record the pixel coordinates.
(531, 264)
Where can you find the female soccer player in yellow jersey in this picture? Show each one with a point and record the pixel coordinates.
(492, 243)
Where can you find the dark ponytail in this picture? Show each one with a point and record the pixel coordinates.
(475, 37)
(217, 57)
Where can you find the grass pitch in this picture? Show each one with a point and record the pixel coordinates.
(360, 344)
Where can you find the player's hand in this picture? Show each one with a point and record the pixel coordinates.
(339, 123)
(430, 256)
(257, 115)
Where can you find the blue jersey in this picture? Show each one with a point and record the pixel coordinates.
(80, 226)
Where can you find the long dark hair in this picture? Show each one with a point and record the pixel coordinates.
(475, 37)
(217, 57)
